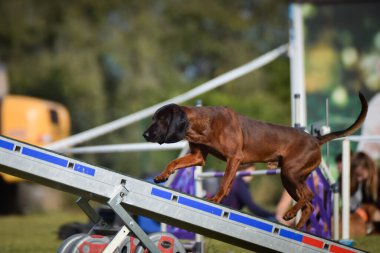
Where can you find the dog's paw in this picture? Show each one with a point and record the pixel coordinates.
(211, 199)
(160, 179)
(288, 216)
(214, 199)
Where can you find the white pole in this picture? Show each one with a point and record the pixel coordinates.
(346, 190)
(130, 147)
(199, 247)
(336, 197)
(297, 69)
(297, 75)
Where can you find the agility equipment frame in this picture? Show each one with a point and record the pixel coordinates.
(126, 194)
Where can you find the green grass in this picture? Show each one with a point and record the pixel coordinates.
(368, 243)
(37, 233)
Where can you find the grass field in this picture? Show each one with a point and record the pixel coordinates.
(37, 233)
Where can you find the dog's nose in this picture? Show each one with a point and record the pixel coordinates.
(146, 135)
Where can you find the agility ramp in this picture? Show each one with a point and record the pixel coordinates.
(126, 194)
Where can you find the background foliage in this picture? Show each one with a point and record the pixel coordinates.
(107, 59)
(342, 58)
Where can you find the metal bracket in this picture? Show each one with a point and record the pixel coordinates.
(88, 210)
(100, 225)
(119, 238)
(335, 187)
(115, 204)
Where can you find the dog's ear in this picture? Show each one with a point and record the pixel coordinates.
(177, 126)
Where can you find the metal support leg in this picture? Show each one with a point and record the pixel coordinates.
(88, 210)
(114, 203)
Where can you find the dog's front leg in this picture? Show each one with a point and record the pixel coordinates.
(228, 178)
(195, 158)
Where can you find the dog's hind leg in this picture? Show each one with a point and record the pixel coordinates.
(302, 195)
(307, 210)
(294, 182)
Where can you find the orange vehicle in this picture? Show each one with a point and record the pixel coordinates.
(32, 120)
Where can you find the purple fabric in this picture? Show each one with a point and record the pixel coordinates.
(321, 217)
(184, 181)
(271, 172)
(240, 196)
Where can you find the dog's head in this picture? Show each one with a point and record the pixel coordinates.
(169, 125)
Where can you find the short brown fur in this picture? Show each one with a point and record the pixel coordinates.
(237, 140)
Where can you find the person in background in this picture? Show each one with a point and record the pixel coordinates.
(282, 207)
(240, 196)
(364, 181)
(364, 201)
(371, 127)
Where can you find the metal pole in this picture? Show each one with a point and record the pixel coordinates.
(328, 125)
(199, 245)
(346, 190)
(297, 69)
(336, 198)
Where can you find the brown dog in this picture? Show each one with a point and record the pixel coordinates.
(237, 139)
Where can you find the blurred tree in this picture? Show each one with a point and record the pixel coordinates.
(342, 58)
(107, 59)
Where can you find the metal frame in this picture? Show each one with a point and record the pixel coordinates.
(115, 204)
(157, 202)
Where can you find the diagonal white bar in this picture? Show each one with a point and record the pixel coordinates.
(134, 117)
(131, 147)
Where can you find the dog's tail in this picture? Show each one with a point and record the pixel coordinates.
(359, 121)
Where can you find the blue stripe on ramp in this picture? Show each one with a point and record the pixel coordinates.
(161, 193)
(251, 222)
(44, 157)
(200, 206)
(84, 169)
(6, 145)
(291, 235)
